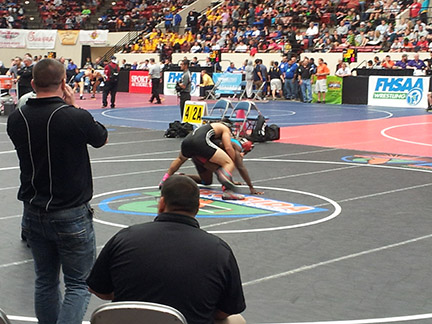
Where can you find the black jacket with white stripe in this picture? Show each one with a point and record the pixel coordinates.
(51, 139)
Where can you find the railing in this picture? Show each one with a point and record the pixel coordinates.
(129, 37)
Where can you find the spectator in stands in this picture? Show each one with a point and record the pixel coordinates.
(414, 10)
(168, 17)
(343, 71)
(387, 63)
(416, 64)
(407, 45)
(177, 21)
(194, 62)
(231, 68)
(403, 63)
(422, 45)
(377, 63)
(311, 33)
(382, 28)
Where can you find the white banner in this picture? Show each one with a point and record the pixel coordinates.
(92, 37)
(13, 38)
(41, 38)
(406, 92)
(171, 78)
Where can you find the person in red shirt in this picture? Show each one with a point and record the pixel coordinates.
(111, 72)
(414, 9)
(422, 44)
(387, 63)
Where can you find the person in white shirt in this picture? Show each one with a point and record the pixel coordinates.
(343, 71)
(311, 33)
(241, 48)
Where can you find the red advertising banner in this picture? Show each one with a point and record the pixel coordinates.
(139, 82)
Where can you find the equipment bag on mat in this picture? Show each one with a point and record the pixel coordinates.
(273, 132)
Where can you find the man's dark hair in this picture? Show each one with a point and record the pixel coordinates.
(181, 194)
(48, 73)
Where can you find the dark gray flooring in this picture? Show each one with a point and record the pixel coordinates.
(369, 260)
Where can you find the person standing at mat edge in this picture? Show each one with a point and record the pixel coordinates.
(172, 261)
(321, 82)
(50, 134)
(155, 74)
(111, 72)
(185, 85)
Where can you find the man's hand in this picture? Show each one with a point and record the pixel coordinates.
(68, 95)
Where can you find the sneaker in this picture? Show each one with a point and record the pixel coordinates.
(92, 96)
(82, 98)
(229, 195)
(112, 106)
(225, 178)
(104, 106)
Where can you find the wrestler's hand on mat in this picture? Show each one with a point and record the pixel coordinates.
(253, 191)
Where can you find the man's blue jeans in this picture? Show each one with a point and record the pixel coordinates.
(290, 89)
(63, 239)
(306, 89)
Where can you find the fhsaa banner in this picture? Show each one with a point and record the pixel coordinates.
(406, 92)
(93, 37)
(170, 79)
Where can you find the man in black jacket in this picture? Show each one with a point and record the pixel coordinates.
(50, 134)
(25, 77)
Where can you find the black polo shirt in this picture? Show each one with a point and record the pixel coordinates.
(173, 262)
(304, 72)
(51, 139)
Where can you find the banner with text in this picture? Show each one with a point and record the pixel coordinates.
(13, 38)
(41, 39)
(93, 37)
(68, 37)
(334, 90)
(139, 82)
(172, 77)
(230, 82)
(407, 92)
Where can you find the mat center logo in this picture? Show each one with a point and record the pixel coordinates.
(211, 205)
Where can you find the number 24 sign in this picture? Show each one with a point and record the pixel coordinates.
(194, 111)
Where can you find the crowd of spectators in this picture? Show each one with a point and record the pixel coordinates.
(12, 14)
(290, 26)
(142, 15)
(62, 14)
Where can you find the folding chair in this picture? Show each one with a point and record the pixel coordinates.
(241, 90)
(218, 111)
(211, 94)
(136, 313)
(257, 94)
(3, 318)
(244, 116)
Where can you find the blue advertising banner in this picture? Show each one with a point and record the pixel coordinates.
(230, 82)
